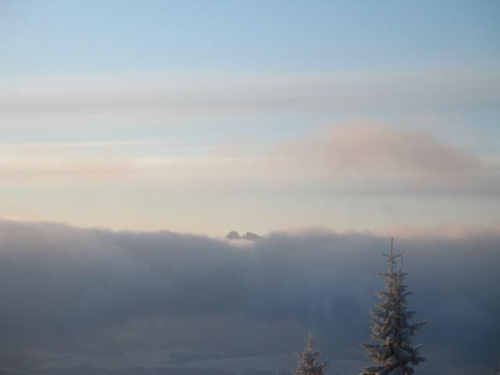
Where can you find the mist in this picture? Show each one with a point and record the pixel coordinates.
(66, 288)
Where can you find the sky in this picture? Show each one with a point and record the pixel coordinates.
(211, 116)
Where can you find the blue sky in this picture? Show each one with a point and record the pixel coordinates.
(83, 36)
(207, 116)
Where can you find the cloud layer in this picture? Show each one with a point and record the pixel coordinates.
(66, 286)
(215, 94)
(357, 156)
(367, 150)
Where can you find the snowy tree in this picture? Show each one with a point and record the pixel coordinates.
(395, 354)
(308, 363)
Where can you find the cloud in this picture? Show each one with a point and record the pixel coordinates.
(57, 171)
(356, 157)
(62, 146)
(96, 170)
(222, 94)
(369, 151)
(62, 285)
(451, 231)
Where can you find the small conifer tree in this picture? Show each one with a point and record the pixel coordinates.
(308, 363)
(395, 355)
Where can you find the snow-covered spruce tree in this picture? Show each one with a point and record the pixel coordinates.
(308, 363)
(395, 355)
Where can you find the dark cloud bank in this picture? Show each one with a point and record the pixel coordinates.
(84, 289)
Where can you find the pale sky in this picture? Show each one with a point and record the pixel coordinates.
(209, 116)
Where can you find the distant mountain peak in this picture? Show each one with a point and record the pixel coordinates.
(233, 235)
(249, 236)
